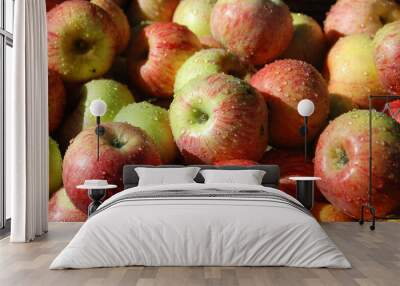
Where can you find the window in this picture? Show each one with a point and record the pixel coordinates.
(6, 43)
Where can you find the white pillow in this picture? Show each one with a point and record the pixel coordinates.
(165, 176)
(248, 177)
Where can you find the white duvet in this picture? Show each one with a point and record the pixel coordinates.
(203, 231)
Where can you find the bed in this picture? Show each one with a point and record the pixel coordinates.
(197, 224)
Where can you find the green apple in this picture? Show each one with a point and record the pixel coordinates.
(208, 62)
(55, 166)
(154, 120)
(308, 42)
(113, 93)
(195, 14)
(352, 74)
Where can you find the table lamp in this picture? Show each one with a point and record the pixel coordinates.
(305, 108)
(98, 108)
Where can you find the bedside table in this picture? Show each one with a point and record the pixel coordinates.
(96, 193)
(305, 190)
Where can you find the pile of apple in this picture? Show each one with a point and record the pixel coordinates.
(218, 82)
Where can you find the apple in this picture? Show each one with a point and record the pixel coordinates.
(236, 162)
(342, 161)
(284, 83)
(82, 40)
(113, 93)
(122, 144)
(154, 120)
(219, 118)
(324, 212)
(61, 209)
(208, 62)
(352, 74)
(308, 42)
(156, 53)
(395, 110)
(208, 42)
(120, 21)
(348, 17)
(56, 100)
(292, 164)
(257, 31)
(387, 56)
(50, 4)
(55, 166)
(152, 10)
(195, 14)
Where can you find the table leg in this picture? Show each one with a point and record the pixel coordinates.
(96, 195)
(305, 193)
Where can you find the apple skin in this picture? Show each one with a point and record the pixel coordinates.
(219, 118)
(395, 109)
(208, 62)
(61, 209)
(387, 56)
(342, 162)
(113, 93)
(55, 166)
(119, 19)
(152, 10)
(284, 83)
(56, 100)
(348, 17)
(351, 73)
(257, 31)
(324, 212)
(308, 42)
(292, 164)
(82, 40)
(154, 120)
(236, 162)
(195, 14)
(122, 144)
(156, 53)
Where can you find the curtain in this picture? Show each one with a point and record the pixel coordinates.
(27, 124)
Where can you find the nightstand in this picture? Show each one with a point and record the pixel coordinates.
(97, 190)
(305, 190)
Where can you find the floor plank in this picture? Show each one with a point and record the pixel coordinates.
(375, 257)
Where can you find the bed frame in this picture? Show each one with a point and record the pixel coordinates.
(271, 178)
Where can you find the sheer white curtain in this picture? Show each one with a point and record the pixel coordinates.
(27, 124)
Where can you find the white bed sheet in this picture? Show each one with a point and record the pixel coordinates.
(200, 232)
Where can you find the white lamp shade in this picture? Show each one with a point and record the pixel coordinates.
(305, 107)
(98, 107)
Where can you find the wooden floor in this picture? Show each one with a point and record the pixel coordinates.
(375, 257)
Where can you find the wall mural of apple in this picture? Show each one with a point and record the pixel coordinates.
(218, 82)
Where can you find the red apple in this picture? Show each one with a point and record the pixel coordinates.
(348, 17)
(62, 209)
(219, 118)
(342, 161)
(236, 162)
(156, 53)
(56, 100)
(121, 144)
(82, 40)
(119, 19)
(395, 110)
(387, 56)
(152, 10)
(257, 31)
(324, 212)
(292, 164)
(284, 84)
